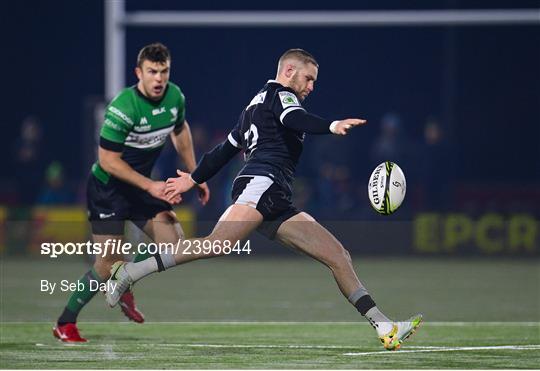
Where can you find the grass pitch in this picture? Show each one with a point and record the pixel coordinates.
(266, 345)
(243, 312)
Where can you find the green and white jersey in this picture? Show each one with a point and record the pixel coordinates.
(138, 127)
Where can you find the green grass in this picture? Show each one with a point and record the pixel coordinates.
(460, 300)
(263, 345)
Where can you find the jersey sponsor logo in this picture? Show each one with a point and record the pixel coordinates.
(143, 125)
(105, 216)
(288, 99)
(121, 115)
(158, 111)
(142, 128)
(148, 140)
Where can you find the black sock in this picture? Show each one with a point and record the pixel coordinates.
(67, 316)
(364, 304)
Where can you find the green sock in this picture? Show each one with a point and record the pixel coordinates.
(80, 297)
(140, 257)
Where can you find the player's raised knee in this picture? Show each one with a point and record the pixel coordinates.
(347, 255)
(337, 257)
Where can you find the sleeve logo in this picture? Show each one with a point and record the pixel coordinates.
(174, 112)
(288, 99)
(121, 115)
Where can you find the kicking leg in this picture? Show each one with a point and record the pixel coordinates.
(304, 233)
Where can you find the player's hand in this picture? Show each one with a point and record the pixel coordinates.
(175, 200)
(176, 186)
(157, 190)
(204, 193)
(342, 127)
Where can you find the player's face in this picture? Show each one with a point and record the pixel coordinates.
(303, 80)
(153, 78)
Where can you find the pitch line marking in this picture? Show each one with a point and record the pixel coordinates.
(201, 345)
(305, 346)
(264, 323)
(412, 349)
(448, 349)
(252, 346)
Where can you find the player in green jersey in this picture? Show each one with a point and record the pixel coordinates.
(137, 123)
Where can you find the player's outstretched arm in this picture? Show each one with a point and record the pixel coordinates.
(211, 162)
(342, 127)
(300, 120)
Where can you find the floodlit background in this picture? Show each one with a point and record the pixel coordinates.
(456, 106)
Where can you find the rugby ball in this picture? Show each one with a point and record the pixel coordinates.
(386, 188)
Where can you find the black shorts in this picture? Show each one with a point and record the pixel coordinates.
(110, 205)
(272, 200)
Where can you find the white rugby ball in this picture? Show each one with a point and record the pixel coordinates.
(386, 188)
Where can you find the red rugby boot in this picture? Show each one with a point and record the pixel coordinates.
(127, 304)
(68, 333)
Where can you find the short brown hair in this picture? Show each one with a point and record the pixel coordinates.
(156, 52)
(299, 54)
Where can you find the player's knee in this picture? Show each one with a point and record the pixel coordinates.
(338, 257)
(347, 255)
(221, 238)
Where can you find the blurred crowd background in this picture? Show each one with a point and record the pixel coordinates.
(457, 107)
